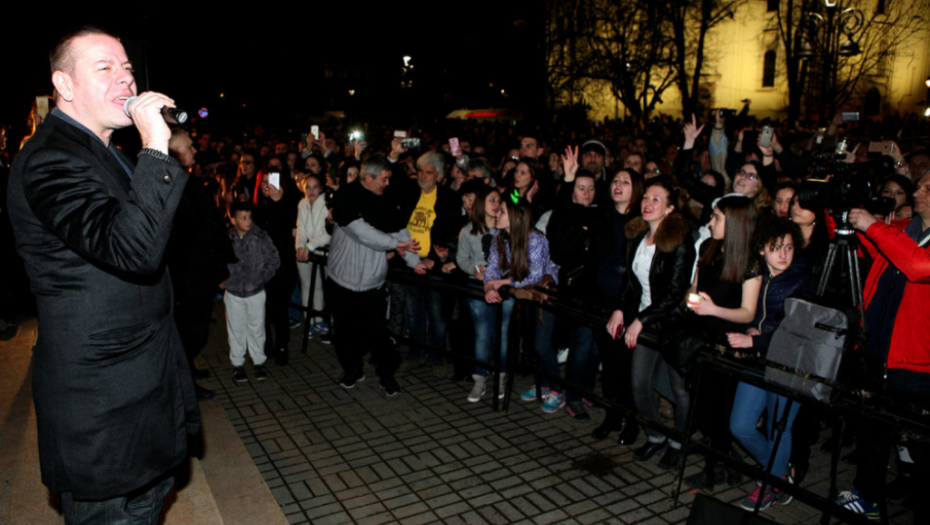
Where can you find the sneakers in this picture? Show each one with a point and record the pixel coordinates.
(321, 328)
(239, 375)
(577, 410)
(293, 324)
(348, 380)
(554, 401)
(389, 387)
(783, 497)
(326, 339)
(851, 501)
(768, 497)
(530, 395)
(260, 374)
(479, 389)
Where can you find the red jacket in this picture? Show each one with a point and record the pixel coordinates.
(910, 339)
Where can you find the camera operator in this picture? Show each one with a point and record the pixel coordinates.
(896, 293)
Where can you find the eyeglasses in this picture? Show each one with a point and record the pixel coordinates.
(747, 174)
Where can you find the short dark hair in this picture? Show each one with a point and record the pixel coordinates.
(60, 57)
(238, 206)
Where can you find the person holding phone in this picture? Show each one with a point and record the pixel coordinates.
(660, 256)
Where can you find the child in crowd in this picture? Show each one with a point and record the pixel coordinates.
(245, 291)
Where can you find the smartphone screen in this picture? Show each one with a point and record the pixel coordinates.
(274, 180)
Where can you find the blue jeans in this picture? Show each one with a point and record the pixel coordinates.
(544, 322)
(583, 358)
(139, 508)
(748, 405)
(485, 318)
(425, 320)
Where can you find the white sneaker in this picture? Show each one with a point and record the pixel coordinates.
(503, 386)
(478, 390)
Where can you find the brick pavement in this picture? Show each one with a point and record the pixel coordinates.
(333, 456)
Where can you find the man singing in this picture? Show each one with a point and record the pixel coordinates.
(113, 393)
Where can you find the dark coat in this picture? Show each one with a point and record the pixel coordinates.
(669, 275)
(580, 239)
(113, 394)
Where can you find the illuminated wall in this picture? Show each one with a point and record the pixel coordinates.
(734, 70)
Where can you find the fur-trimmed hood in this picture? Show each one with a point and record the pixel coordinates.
(673, 231)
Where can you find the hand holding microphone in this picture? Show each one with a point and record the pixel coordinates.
(171, 114)
(150, 112)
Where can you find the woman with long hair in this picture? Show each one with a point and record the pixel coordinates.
(660, 255)
(626, 194)
(311, 236)
(474, 246)
(727, 285)
(519, 258)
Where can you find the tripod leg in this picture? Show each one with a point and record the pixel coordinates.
(827, 270)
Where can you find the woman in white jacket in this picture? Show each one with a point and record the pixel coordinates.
(311, 236)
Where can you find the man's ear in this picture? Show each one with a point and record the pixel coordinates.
(64, 85)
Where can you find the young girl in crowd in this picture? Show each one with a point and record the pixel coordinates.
(311, 236)
(659, 262)
(782, 275)
(579, 240)
(519, 257)
(475, 243)
(626, 194)
(728, 284)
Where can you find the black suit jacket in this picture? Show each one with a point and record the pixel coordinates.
(114, 398)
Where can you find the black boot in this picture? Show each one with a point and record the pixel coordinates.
(281, 357)
(612, 423)
(713, 474)
(734, 477)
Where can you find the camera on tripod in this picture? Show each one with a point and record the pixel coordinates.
(840, 187)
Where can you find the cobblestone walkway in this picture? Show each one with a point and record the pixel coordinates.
(332, 455)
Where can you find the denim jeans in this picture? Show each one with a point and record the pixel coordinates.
(425, 320)
(485, 318)
(544, 322)
(748, 405)
(645, 363)
(139, 508)
(583, 358)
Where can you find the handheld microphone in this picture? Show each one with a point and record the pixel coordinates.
(171, 115)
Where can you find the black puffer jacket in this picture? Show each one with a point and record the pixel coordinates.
(669, 275)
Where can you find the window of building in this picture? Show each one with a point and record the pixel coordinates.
(768, 69)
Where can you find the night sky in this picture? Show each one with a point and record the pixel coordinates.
(272, 57)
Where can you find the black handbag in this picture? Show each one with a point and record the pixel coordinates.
(681, 338)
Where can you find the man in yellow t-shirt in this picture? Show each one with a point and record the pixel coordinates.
(432, 223)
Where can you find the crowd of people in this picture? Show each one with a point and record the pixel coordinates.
(694, 232)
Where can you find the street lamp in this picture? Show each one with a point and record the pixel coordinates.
(824, 38)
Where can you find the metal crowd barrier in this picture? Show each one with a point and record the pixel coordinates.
(846, 402)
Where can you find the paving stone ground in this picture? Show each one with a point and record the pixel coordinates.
(332, 455)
